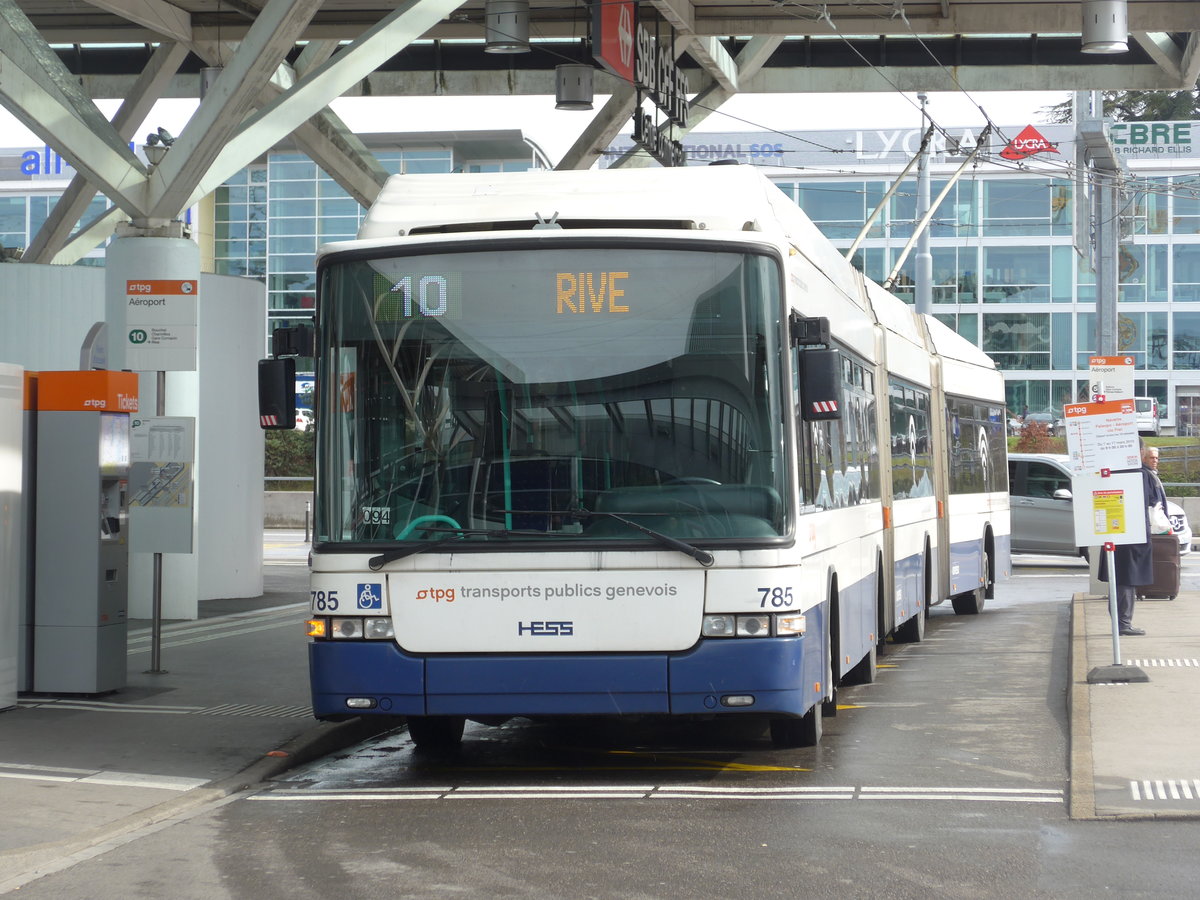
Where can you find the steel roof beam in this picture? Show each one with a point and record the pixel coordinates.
(221, 113)
(603, 128)
(36, 87)
(74, 202)
(165, 19)
(322, 85)
(1190, 64)
(1164, 51)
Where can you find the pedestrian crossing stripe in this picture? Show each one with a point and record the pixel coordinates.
(1165, 789)
(1165, 663)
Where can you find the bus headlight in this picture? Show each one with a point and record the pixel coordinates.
(717, 626)
(353, 628)
(754, 626)
(346, 629)
(378, 629)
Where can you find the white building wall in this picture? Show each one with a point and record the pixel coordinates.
(45, 313)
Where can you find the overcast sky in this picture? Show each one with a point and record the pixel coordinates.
(556, 130)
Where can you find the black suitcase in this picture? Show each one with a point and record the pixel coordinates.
(1165, 551)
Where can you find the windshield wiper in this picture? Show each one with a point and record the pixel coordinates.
(703, 557)
(375, 563)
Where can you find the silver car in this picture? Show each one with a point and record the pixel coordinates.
(1039, 485)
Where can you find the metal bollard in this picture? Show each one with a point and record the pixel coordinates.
(307, 513)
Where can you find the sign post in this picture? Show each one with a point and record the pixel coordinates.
(1108, 500)
(152, 294)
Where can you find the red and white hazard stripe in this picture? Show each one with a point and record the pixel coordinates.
(825, 406)
(268, 421)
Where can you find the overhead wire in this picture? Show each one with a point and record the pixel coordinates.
(820, 12)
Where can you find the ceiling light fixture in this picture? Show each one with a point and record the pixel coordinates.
(573, 86)
(1105, 26)
(507, 23)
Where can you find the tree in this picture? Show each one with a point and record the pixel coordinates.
(1138, 106)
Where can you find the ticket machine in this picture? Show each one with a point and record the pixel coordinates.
(80, 590)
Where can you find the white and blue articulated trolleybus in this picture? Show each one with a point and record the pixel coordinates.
(630, 443)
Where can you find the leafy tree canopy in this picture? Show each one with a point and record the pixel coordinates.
(1138, 106)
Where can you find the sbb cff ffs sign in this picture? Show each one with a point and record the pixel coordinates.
(615, 23)
(630, 52)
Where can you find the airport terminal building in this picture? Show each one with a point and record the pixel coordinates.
(1007, 274)
(1007, 271)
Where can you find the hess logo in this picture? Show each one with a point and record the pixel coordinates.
(546, 629)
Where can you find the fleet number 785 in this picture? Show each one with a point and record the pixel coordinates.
(775, 596)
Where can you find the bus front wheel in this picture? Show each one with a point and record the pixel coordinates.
(436, 734)
(802, 732)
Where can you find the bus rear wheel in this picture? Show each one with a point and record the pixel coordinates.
(971, 603)
(436, 734)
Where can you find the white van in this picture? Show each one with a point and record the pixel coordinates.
(1146, 410)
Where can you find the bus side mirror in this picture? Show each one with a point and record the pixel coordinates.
(277, 393)
(820, 385)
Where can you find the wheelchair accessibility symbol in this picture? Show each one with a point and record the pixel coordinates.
(370, 596)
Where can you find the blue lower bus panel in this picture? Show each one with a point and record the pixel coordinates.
(775, 673)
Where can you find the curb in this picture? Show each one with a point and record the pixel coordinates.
(1079, 714)
(25, 864)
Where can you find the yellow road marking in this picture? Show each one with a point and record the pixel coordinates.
(714, 765)
(685, 764)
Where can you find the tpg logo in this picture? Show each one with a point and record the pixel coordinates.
(546, 629)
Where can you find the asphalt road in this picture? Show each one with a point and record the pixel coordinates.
(945, 778)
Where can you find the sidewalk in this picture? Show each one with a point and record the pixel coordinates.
(230, 710)
(1134, 745)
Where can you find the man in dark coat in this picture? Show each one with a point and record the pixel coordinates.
(1135, 562)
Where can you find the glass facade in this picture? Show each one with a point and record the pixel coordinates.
(1007, 275)
(23, 215)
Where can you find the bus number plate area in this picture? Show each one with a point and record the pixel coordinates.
(547, 612)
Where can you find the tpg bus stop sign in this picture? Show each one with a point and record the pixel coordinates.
(1110, 377)
(1108, 503)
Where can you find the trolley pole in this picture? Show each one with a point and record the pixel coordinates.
(924, 261)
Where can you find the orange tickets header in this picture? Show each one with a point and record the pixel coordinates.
(156, 286)
(81, 391)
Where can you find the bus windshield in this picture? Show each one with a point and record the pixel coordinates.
(560, 391)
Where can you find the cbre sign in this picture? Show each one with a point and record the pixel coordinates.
(629, 51)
